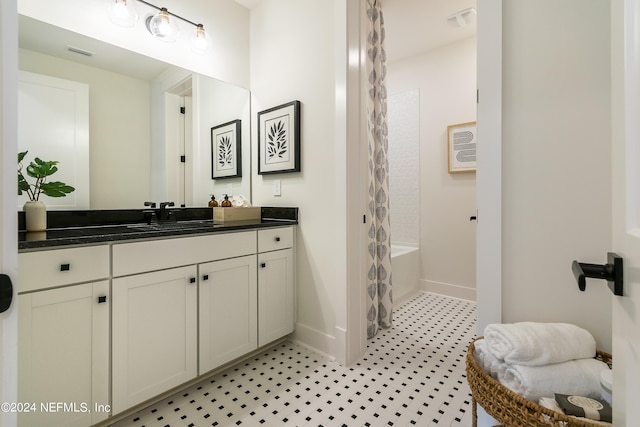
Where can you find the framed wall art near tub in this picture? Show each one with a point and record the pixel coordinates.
(279, 139)
(462, 147)
(226, 155)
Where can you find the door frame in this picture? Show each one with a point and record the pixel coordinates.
(350, 338)
(9, 199)
(489, 171)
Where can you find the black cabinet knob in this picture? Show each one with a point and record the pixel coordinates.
(102, 299)
(277, 239)
(263, 265)
(205, 277)
(65, 267)
(192, 280)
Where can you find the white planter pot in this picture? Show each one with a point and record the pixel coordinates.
(35, 214)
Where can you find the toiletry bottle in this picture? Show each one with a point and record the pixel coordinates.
(226, 202)
(213, 202)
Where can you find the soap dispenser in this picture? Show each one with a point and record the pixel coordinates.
(226, 203)
(213, 202)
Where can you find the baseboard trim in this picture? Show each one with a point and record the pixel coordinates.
(319, 342)
(448, 289)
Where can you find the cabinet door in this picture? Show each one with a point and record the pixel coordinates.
(275, 295)
(228, 305)
(153, 335)
(63, 348)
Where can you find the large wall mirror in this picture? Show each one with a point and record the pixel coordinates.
(149, 123)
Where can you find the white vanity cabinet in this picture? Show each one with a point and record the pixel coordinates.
(154, 334)
(228, 301)
(276, 290)
(155, 309)
(112, 326)
(63, 336)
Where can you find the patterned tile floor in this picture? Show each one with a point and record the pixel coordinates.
(412, 374)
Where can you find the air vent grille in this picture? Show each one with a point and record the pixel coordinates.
(79, 51)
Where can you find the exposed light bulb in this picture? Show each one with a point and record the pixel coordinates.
(462, 18)
(162, 26)
(200, 41)
(122, 13)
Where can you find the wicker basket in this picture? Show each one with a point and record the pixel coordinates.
(511, 409)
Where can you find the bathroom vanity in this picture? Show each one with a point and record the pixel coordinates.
(109, 320)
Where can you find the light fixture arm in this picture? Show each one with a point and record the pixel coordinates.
(170, 13)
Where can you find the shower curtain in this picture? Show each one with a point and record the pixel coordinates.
(380, 301)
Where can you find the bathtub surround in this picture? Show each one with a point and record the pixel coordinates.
(404, 167)
(379, 284)
(405, 261)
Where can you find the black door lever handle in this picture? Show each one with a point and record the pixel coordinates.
(611, 272)
(6, 292)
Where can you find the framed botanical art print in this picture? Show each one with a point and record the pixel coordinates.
(226, 156)
(462, 147)
(279, 139)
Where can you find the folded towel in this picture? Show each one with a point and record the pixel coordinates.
(534, 344)
(579, 377)
(487, 361)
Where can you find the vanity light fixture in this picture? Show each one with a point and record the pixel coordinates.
(462, 18)
(163, 25)
(122, 13)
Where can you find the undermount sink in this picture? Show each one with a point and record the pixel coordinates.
(172, 225)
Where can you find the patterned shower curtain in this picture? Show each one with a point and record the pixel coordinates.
(380, 301)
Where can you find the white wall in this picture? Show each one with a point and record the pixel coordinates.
(292, 50)
(216, 103)
(119, 130)
(556, 161)
(446, 79)
(225, 20)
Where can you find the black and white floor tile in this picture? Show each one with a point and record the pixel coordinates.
(412, 374)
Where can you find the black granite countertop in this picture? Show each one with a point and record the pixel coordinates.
(66, 228)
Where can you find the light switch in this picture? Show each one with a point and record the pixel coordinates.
(276, 188)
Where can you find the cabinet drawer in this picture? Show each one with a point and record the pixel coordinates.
(274, 239)
(46, 269)
(138, 257)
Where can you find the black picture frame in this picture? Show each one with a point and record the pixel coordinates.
(279, 139)
(226, 152)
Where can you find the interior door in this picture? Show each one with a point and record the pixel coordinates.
(625, 38)
(53, 124)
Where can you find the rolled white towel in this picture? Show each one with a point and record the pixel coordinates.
(576, 377)
(487, 361)
(535, 344)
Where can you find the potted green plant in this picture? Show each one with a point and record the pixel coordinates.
(35, 210)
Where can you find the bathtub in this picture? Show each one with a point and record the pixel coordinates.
(405, 264)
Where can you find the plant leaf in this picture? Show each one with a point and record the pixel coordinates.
(22, 155)
(56, 189)
(41, 169)
(23, 185)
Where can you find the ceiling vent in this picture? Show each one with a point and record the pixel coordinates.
(79, 51)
